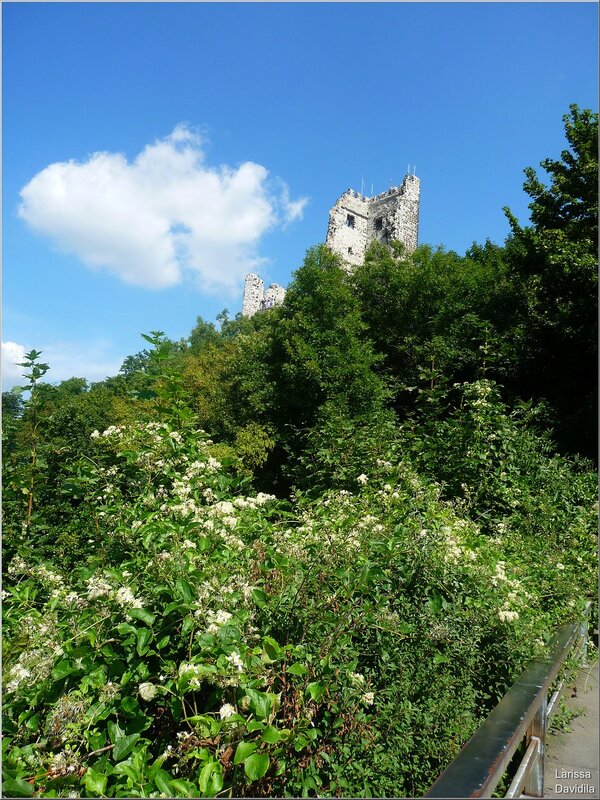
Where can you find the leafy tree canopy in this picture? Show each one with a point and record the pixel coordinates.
(570, 202)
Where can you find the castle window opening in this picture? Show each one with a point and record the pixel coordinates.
(379, 224)
(350, 220)
(350, 251)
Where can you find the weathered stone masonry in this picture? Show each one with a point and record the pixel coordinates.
(354, 222)
(256, 298)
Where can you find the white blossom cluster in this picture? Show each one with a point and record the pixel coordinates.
(216, 619)
(67, 709)
(35, 662)
(123, 596)
(506, 615)
(455, 541)
(42, 573)
(226, 711)
(65, 763)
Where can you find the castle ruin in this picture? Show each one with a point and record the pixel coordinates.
(257, 298)
(354, 222)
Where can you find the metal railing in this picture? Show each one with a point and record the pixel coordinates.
(523, 712)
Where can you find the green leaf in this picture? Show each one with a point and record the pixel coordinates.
(62, 669)
(259, 597)
(130, 706)
(300, 743)
(406, 627)
(184, 589)
(138, 760)
(435, 602)
(271, 648)
(123, 628)
(260, 702)
(308, 783)
(271, 735)
(143, 637)
(16, 787)
(208, 726)
(183, 788)
(96, 739)
(211, 778)
(162, 779)
(315, 689)
(141, 614)
(33, 722)
(95, 782)
(297, 669)
(126, 768)
(256, 766)
(156, 766)
(244, 749)
(124, 746)
(115, 731)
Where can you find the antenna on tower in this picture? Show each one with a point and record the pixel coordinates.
(362, 186)
(371, 190)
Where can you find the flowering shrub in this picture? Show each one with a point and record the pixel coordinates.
(216, 640)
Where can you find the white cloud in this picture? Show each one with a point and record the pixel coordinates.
(163, 215)
(91, 360)
(12, 354)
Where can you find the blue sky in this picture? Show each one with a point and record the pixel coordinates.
(154, 152)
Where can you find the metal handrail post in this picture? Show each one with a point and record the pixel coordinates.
(516, 787)
(534, 785)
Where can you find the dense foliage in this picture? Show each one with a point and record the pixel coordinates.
(305, 553)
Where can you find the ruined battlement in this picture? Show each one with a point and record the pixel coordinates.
(257, 298)
(355, 220)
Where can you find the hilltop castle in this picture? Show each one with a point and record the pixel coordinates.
(354, 222)
(256, 298)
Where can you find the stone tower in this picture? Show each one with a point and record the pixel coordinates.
(253, 294)
(257, 298)
(355, 220)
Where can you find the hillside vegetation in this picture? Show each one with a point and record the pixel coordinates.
(304, 554)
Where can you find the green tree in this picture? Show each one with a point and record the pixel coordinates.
(436, 316)
(47, 451)
(321, 357)
(202, 335)
(321, 345)
(12, 403)
(570, 202)
(139, 362)
(554, 263)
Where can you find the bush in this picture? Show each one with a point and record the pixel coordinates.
(214, 640)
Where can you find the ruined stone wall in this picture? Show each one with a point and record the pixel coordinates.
(356, 221)
(382, 217)
(407, 214)
(348, 227)
(253, 294)
(274, 296)
(257, 298)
